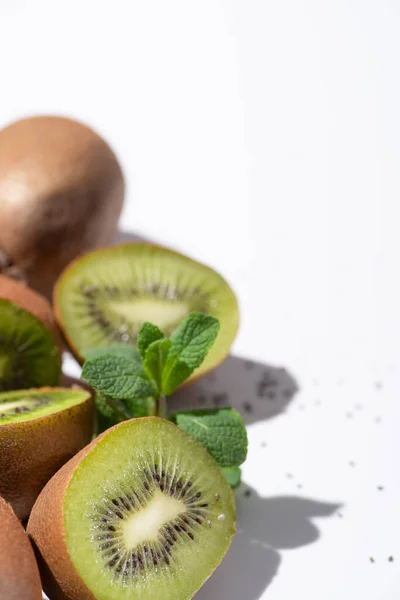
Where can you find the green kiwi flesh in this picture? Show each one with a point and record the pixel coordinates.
(29, 356)
(24, 405)
(104, 297)
(148, 514)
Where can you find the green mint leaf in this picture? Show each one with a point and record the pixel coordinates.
(117, 377)
(117, 350)
(148, 334)
(234, 476)
(154, 361)
(190, 343)
(220, 430)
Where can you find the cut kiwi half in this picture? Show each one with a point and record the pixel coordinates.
(104, 297)
(143, 512)
(40, 430)
(29, 355)
(19, 573)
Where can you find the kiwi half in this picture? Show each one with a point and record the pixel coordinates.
(29, 356)
(142, 513)
(104, 297)
(19, 574)
(40, 430)
(31, 301)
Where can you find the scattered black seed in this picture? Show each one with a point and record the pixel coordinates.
(380, 488)
(179, 484)
(119, 514)
(162, 487)
(391, 559)
(166, 559)
(162, 473)
(191, 535)
(247, 407)
(247, 494)
(111, 528)
(219, 399)
(203, 505)
(112, 562)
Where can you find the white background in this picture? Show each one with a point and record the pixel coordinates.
(263, 138)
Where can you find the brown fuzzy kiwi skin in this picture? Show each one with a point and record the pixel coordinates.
(46, 530)
(61, 194)
(32, 302)
(57, 304)
(32, 451)
(19, 573)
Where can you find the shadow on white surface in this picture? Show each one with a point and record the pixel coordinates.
(126, 237)
(256, 390)
(265, 526)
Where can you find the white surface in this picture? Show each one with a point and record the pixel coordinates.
(263, 138)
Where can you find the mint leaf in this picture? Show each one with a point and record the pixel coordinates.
(155, 357)
(148, 334)
(190, 343)
(117, 350)
(220, 430)
(117, 377)
(233, 475)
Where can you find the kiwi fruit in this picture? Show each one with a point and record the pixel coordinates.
(19, 573)
(29, 355)
(40, 430)
(32, 302)
(104, 297)
(143, 512)
(61, 194)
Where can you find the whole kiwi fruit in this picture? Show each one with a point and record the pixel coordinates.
(61, 194)
(19, 574)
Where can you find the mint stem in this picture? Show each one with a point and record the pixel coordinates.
(161, 406)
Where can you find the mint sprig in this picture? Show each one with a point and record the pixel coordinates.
(132, 382)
